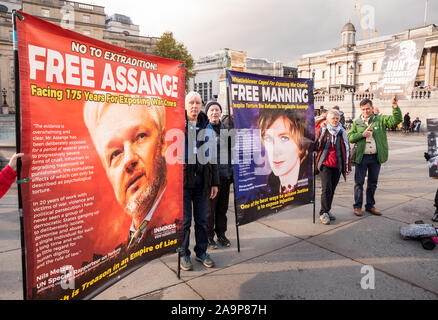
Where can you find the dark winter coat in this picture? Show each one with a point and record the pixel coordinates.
(193, 172)
(223, 155)
(322, 146)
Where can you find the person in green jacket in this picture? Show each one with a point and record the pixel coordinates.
(369, 133)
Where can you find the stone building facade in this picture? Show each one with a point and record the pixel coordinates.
(210, 73)
(357, 64)
(89, 20)
(346, 74)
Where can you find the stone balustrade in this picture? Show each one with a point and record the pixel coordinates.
(364, 95)
(421, 94)
(423, 103)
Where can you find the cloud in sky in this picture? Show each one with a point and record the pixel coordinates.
(280, 30)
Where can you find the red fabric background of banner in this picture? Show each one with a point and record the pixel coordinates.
(109, 228)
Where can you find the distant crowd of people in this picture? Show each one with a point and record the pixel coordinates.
(409, 126)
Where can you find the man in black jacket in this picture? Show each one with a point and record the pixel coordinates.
(200, 176)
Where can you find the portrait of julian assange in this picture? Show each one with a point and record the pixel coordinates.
(130, 142)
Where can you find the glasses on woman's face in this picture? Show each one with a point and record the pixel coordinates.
(333, 121)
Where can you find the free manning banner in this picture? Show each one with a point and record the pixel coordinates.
(104, 195)
(432, 146)
(274, 131)
(399, 69)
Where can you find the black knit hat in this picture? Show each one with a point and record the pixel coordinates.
(211, 103)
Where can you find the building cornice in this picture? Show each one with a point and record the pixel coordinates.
(52, 4)
(57, 20)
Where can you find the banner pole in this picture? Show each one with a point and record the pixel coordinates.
(179, 263)
(234, 180)
(314, 183)
(18, 146)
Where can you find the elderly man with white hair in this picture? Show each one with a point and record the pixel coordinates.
(201, 180)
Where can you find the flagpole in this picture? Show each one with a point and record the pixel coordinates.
(18, 147)
(234, 182)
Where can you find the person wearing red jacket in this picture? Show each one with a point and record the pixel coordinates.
(8, 174)
(332, 160)
(319, 120)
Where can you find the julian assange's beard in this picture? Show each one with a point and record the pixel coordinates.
(138, 208)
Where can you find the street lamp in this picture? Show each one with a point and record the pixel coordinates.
(351, 72)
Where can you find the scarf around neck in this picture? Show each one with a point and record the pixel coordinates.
(334, 131)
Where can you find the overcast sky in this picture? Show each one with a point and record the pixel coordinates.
(279, 30)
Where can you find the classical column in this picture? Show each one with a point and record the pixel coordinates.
(329, 76)
(346, 73)
(334, 74)
(427, 74)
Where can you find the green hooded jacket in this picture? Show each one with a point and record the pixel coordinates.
(379, 125)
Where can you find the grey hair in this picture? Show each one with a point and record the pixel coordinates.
(192, 94)
(333, 112)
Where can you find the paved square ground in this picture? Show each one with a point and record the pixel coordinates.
(286, 256)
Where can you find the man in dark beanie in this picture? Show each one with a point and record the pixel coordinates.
(212, 103)
(217, 207)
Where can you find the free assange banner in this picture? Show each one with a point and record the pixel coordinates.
(274, 130)
(432, 147)
(399, 69)
(105, 192)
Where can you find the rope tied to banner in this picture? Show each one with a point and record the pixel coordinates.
(23, 180)
(20, 17)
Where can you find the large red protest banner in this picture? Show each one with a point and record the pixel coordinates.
(102, 198)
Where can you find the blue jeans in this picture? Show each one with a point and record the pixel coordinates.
(369, 163)
(197, 198)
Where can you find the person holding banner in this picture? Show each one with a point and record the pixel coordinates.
(332, 159)
(200, 175)
(369, 133)
(131, 146)
(217, 208)
(283, 134)
(8, 174)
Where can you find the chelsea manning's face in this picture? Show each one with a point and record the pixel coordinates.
(281, 148)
